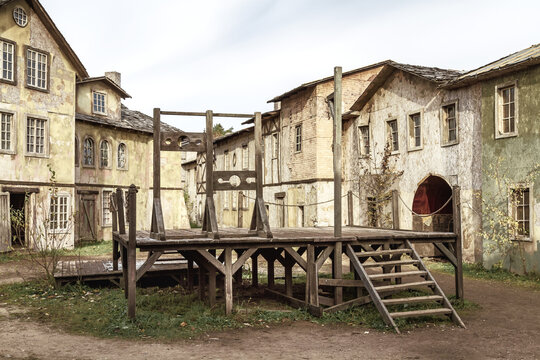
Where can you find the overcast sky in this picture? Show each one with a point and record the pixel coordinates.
(235, 55)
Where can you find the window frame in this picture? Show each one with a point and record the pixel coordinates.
(46, 140)
(511, 210)
(445, 139)
(84, 164)
(56, 230)
(361, 144)
(48, 69)
(126, 162)
(13, 63)
(389, 135)
(411, 130)
(109, 153)
(13, 132)
(97, 112)
(102, 219)
(498, 109)
(298, 144)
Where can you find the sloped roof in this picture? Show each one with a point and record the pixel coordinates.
(510, 63)
(265, 116)
(56, 34)
(130, 120)
(329, 78)
(109, 82)
(432, 74)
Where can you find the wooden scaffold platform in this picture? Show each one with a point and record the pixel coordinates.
(221, 253)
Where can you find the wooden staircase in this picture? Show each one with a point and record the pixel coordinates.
(391, 280)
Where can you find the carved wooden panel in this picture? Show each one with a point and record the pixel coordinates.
(183, 141)
(235, 180)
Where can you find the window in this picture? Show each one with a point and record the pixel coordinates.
(393, 136)
(364, 140)
(7, 59)
(226, 199)
(104, 151)
(122, 156)
(449, 124)
(98, 103)
(506, 110)
(234, 199)
(245, 157)
(234, 160)
(298, 138)
(20, 17)
(275, 146)
(58, 212)
(520, 202)
(88, 152)
(415, 131)
(35, 136)
(106, 213)
(6, 132)
(76, 151)
(36, 69)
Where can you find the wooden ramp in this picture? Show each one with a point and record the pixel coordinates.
(103, 270)
(390, 259)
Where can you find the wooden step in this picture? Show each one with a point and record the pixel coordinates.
(404, 286)
(397, 274)
(412, 300)
(383, 252)
(416, 313)
(390, 263)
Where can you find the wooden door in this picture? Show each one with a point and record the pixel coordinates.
(5, 223)
(87, 218)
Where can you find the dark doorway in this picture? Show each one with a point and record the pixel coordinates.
(432, 195)
(18, 219)
(87, 218)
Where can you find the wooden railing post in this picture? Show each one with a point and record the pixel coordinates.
(132, 246)
(350, 208)
(114, 213)
(240, 210)
(456, 207)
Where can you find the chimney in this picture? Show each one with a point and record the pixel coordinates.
(115, 76)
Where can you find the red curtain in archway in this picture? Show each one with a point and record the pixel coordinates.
(431, 195)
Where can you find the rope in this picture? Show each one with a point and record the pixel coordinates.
(288, 205)
(372, 201)
(425, 215)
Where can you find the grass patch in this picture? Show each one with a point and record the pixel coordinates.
(477, 271)
(171, 313)
(89, 249)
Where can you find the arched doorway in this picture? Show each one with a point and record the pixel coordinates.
(431, 195)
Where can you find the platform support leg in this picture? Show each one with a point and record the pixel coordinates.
(212, 286)
(190, 275)
(270, 270)
(202, 282)
(288, 274)
(255, 270)
(337, 263)
(312, 281)
(228, 281)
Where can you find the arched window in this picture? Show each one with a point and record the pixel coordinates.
(76, 151)
(88, 152)
(122, 156)
(104, 151)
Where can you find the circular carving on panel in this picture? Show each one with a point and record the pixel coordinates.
(20, 17)
(235, 180)
(168, 141)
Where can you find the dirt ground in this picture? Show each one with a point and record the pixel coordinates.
(506, 327)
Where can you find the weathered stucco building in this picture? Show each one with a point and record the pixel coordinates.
(510, 93)
(54, 116)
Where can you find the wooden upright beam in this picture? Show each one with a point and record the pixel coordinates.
(337, 151)
(132, 246)
(157, 230)
(258, 164)
(395, 210)
(228, 281)
(456, 205)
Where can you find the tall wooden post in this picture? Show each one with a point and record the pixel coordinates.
(350, 211)
(456, 213)
(157, 230)
(395, 210)
(240, 210)
(258, 166)
(337, 151)
(122, 231)
(209, 154)
(114, 213)
(132, 246)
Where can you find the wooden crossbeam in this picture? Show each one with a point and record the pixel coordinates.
(242, 259)
(190, 113)
(323, 256)
(299, 260)
(148, 264)
(212, 260)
